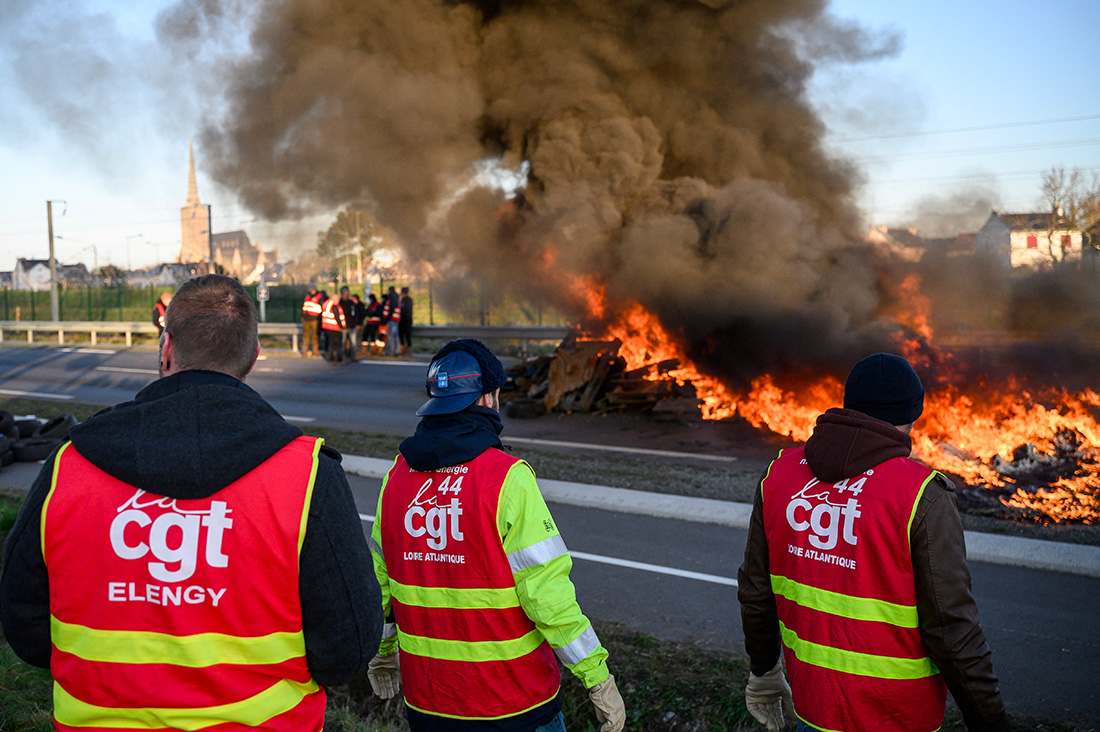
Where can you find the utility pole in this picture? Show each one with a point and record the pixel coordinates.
(55, 308)
(210, 236)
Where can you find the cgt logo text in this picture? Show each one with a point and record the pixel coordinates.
(426, 516)
(826, 520)
(173, 538)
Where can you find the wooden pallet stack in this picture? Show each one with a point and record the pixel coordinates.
(591, 376)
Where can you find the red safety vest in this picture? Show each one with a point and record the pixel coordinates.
(312, 305)
(180, 614)
(846, 595)
(468, 650)
(159, 307)
(332, 316)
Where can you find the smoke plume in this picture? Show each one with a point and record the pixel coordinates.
(674, 159)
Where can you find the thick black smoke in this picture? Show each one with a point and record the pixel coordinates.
(674, 158)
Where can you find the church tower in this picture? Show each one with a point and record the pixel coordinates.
(194, 220)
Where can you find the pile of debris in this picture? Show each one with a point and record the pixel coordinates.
(591, 376)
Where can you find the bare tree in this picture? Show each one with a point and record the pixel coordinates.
(1073, 198)
(351, 239)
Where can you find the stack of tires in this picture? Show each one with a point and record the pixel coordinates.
(29, 439)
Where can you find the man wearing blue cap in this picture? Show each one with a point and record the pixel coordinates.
(855, 568)
(474, 574)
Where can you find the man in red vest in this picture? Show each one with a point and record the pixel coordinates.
(160, 307)
(311, 321)
(333, 323)
(855, 568)
(190, 560)
(474, 574)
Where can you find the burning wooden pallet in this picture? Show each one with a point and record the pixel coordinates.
(591, 376)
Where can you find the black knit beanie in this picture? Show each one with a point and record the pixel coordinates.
(885, 387)
(492, 370)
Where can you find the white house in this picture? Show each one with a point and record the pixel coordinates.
(31, 274)
(1029, 239)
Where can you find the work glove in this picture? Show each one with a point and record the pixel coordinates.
(768, 698)
(610, 711)
(384, 673)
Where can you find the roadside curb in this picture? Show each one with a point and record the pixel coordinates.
(980, 547)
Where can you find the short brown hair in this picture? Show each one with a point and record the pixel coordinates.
(212, 322)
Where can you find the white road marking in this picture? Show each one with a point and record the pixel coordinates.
(126, 370)
(614, 448)
(656, 568)
(290, 418)
(87, 350)
(38, 394)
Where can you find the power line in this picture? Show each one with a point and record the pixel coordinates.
(977, 128)
(1056, 145)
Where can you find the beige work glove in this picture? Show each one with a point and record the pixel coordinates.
(768, 698)
(384, 673)
(610, 710)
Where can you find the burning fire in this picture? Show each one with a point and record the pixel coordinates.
(1038, 453)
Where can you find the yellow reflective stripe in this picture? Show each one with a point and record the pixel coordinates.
(853, 662)
(913, 511)
(309, 493)
(768, 472)
(193, 651)
(456, 650)
(281, 697)
(455, 598)
(846, 606)
(46, 503)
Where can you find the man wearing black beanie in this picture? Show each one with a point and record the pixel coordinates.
(855, 569)
(474, 574)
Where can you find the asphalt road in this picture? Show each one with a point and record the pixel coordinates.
(672, 579)
(379, 396)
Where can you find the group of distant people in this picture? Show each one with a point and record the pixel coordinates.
(341, 327)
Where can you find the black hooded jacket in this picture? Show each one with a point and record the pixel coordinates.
(187, 436)
(844, 444)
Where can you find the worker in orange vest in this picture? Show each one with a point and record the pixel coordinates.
(311, 321)
(333, 323)
(160, 307)
(190, 560)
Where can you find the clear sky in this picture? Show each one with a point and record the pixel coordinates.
(981, 98)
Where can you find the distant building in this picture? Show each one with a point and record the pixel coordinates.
(903, 244)
(1029, 239)
(232, 251)
(960, 245)
(34, 274)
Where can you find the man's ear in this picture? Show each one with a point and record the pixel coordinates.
(167, 354)
(251, 365)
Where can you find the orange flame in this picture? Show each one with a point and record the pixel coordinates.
(970, 435)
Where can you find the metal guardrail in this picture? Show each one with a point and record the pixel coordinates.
(293, 331)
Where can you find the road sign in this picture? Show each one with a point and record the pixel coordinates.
(262, 293)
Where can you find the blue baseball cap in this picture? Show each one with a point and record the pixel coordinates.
(454, 383)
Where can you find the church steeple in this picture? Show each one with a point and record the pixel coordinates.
(192, 185)
(194, 220)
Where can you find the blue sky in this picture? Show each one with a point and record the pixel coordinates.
(982, 98)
